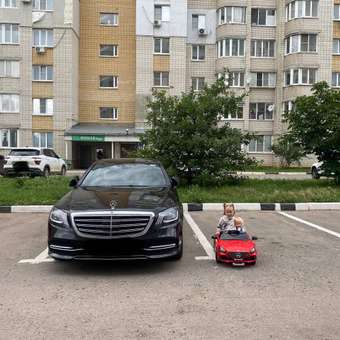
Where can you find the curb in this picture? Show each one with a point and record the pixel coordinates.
(200, 207)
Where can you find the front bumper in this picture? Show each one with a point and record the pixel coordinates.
(228, 259)
(64, 244)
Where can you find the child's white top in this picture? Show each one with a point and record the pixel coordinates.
(226, 223)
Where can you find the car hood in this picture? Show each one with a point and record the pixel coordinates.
(237, 245)
(154, 199)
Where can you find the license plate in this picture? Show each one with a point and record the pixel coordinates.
(238, 264)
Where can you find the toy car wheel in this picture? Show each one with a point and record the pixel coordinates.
(217, 259)
(252, 264)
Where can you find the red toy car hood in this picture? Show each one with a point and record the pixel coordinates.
(236, 245)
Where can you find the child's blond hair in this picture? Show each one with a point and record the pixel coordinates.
(238, 221)
(229, 205)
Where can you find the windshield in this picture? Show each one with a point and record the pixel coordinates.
(25, 152)
(234, 236)
(125, 175)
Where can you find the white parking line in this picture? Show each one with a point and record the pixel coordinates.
(331, 232)
(41, 258)
(201, 238)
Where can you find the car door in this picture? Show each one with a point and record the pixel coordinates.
(50, 160)
(58, 161)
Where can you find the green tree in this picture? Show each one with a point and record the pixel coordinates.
(314, 123)
(185, 132)
(288, 150)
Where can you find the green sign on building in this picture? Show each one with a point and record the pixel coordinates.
(88, 138)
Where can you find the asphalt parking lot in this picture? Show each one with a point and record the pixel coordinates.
(292, 293)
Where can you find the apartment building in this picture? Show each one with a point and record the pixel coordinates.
(77, 74)
(38, 72)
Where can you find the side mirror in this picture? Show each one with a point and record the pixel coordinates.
(213, 237)
(74, 182)
(174, 182)
(254, 238)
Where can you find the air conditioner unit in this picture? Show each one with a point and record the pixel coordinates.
(40, 50)
(202, 31)
(157, 23)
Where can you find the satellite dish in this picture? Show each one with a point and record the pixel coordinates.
(271, 108)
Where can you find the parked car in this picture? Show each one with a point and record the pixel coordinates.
(120, 209)
(316, 170)
(34, 162)
(236, 248)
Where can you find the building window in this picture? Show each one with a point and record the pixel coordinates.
(109, 82)
(43, 38)
(161, 79)
(236, 115)
(336, 79)
(198, 21)
(108, 113)
(43, 5)
(236, 79)
(162, 12)
(230, 48)
(8, 138)
(263, 17)
(263, 48)
(260, 144)
(263, 79)
(261, 111)
(109, 50)
(161, 45)
(301, 43)
(336, 15)
(198, 83)
(109, 19)
(336, 46)
(300, 76)
(231, 15)
(42, 73)
(198, 52)
(42, 139)
(9, 34)
(9, 69)
(8, 3)
(9, 103)
(302, 9)
(287, 106)
(42, 106)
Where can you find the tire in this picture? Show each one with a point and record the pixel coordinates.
(217, 259)
(46, 171)
(315, 174)
(63, 171)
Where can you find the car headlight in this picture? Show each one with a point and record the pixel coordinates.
(222, 250)
(169, 215)
(58, 218)
(252, 250)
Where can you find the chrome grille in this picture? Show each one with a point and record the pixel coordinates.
(112, 224)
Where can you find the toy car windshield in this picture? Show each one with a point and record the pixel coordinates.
(234, 235)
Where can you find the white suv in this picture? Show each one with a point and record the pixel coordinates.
(33, 161)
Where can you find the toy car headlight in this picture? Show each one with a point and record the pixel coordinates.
(58, 218)
(169, 215)
(222, 250)
(252, 250)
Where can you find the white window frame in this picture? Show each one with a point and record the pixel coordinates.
(336, 12)
(256, 144)
(161, 76)
(114, 50)
(298, 9)
(12, 34)
(298, 40)
(165, 12)
(201, 21)
(115, 17)
(115, 82)
(336, 46)
(41, 67)
(46, 33)
(13, 102)
(9, 134)
(37, 5)
(271, 79)
(258, 16)
(9, 68)
(336, 77)
(227, 52)
(238, 115)
(43, 139)
(37, 105)
(265, 113)
(259, 45)
(114, 112)
(12, 3)
(197, 48)
(289, 104)
(223, 13)
(299, 72)
(196, 83)
(161, 43)
(236, 79)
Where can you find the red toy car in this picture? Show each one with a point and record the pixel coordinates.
(235, 247)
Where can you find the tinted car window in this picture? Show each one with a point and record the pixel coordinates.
(122, 175)
(24, 152)
(234, 236)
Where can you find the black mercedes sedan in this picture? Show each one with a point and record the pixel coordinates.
(119, 210)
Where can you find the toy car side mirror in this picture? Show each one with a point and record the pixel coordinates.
(254, 238)
(214, 237)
